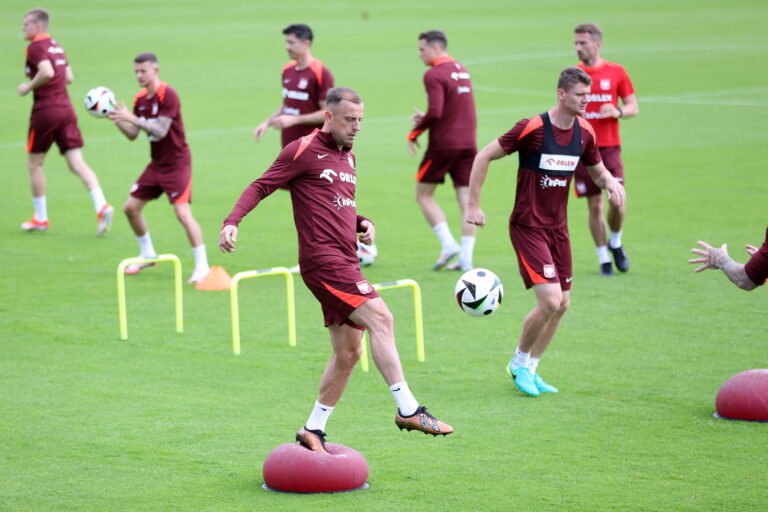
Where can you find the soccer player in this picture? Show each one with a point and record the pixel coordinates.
(746, 276)
(157, 111)
(549, 146)
(610, 83)
(451, 121)
(320, 169)
(53, 120)
(306, 82)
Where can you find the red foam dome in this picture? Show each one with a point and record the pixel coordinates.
(744, 396)
(292, 468)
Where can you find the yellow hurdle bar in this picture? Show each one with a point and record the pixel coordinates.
(416, 313)
(121, 290)
(236, 307)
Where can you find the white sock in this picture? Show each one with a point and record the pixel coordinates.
(533, 363)
(319, 417)
(603, 256)
(406, 403)
(467, 248)
(201, 258)
(41, 208)
(443, 233)
(615, 241)
(146, 249)
(98, 198)
(521, 358)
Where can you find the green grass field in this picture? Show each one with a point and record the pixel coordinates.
(168, 421)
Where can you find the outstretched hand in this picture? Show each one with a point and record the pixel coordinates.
(712, 257)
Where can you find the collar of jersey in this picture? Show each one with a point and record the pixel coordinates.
(327, 139)
(41, 37)
(442, 60)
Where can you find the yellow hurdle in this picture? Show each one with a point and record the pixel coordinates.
(236, 307)
(403, 283)
(121, 290)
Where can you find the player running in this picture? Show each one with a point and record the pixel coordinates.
(54, 120)
(320, 170)
(549, 146)
(610, 83)
(451, 121)
(306, 82)
(157, 111)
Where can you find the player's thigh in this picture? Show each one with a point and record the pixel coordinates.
(373, 313)
(345, 338)
(35, 161)
(461, 167)
(535, 260)
(341, 289)
(560, 248)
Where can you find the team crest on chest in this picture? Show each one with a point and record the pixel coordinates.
(605, 84)
(351, 162)
(154, 109)
(364, 287)
(549, 271)
(303, 83)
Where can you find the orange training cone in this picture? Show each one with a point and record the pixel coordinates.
(217, 279)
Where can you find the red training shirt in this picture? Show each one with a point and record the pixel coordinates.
(322, 181)
(757, 266)
(172, 151)
(450, 116)
(54, 92)
(609, 83)
(542, 200)
(303, 90)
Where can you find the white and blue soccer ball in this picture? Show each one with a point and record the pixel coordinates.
(366, 254)
(479, 292)
(100, 101)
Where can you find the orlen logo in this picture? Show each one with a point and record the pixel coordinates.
(549, 182)
(558, 162)
(327, 174)
(460, 76)
(340, 202)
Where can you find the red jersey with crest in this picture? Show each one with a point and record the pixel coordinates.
(322, 181)
(450, 116)
(54, 92)
(171, 152)
(303, 90)
(541, 198)
(757, 266)
(609, 83)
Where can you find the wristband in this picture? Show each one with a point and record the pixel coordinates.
(621, 112)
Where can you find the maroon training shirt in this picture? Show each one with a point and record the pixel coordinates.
(54, 92)
(450, 117)
(541, 200)
(322, 181)
(303, 90)
(757, 266)
(171, 152)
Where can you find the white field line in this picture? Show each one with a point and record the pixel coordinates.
(617, 51)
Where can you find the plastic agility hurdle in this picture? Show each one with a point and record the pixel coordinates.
(121, 290)
(236, 307)
(403, 283)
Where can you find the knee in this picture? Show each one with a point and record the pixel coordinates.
(129, 209)
(348, 358)
(554, 306)
(564, 305)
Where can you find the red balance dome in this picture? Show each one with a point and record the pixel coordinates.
(744, 396)
(292, 468)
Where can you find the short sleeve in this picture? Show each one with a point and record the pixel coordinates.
(170, 105)
(591, 154)
(37, 54)
(625, 87)
(510, 142)
(322, 90)
(757, 266)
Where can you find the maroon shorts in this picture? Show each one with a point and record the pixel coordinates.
(543, 255)
(176, 183)
(341, 289)
(456, 162)
(584, 186)
(55, 124)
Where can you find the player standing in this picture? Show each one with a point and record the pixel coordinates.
(320, 170)
(306, 82)
(746, 276)
(157, 111)
(452, 123)
(549, 146)
(610, 83)
(53, 120)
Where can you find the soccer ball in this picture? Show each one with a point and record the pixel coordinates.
(366, 254)
(100, 101)
(479, 292)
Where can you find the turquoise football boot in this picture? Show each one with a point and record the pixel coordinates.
(542, 386)
(523, 379)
